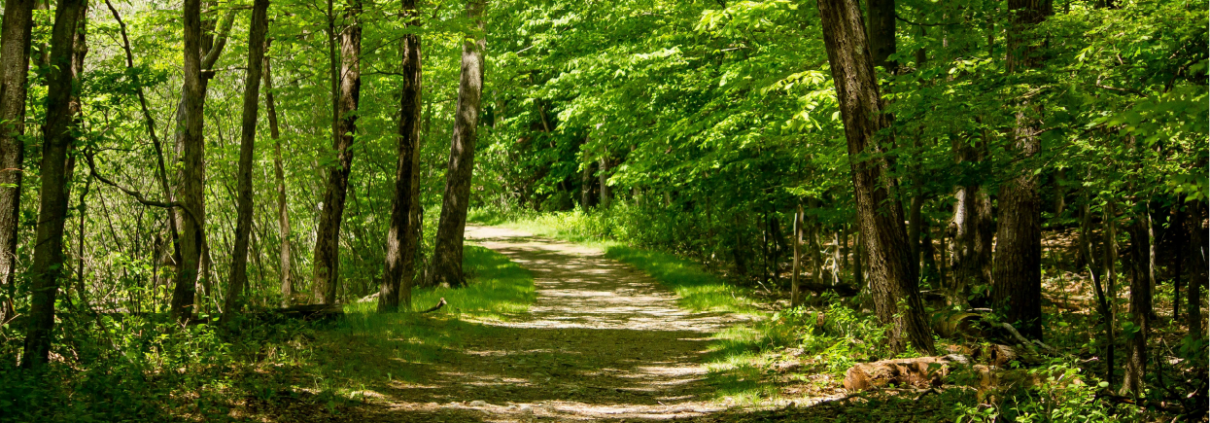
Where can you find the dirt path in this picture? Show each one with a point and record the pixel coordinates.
(602, 341)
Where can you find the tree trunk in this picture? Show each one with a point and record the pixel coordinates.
(1017, 272)
(882, 33)
(1111, 295)
(326, 261)
(586, 187)
(603, 176)
(880, 216)
(1178, 262)
(447, 256)
(1197, 262)
(795, 291)
(201, 51)
(14, 70)
(243, 224)
(283, 211)
(974, 227)
(405, 208)
(1140, 305)
(47, 266)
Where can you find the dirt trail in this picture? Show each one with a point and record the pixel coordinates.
(602, 341)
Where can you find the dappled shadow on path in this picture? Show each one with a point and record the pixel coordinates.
(601, 341)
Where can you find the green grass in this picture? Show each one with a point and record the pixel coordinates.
(696, 289)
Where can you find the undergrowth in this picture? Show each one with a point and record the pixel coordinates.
(113, 368)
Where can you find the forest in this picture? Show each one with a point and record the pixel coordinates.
(631, 210)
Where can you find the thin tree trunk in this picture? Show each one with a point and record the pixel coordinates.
(14, 70)
(603, 176)
(882, 33)
(402, 239)
(1140, 305)
(796, 292)
(326, 273)
(283, 210)
(1178, 231)
(243, 225)
(879, 214)
(586, 181)
(447, 256)
(1197, 276)
(47, 267)
(1111, 254)
(1017, 271)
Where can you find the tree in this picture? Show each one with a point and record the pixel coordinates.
(1017, 268)
(14, 70)
(447, 257)
(279, 175)
(48, 264)
(202, 50)
(403, 235)
(326, 261)
(881, 221)
(256, 58)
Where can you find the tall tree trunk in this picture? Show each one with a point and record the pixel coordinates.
(1177, 229)
(1017, 271)
(14, 70)
(243, 224)
(192, 188)
(880, 216)
(447, 257)
(603, 178)
(586, 186)
(279, 174)
(974, 228)
(1197, 262)
(796, 296)
(47, 265)
(402, 239)
(201, 52)
(326, 273)
(882, 34)
(1111, 253)
(1140, 305)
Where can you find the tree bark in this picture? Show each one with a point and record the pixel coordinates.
(326, 271)
(796, 297)
(1017, 267)
(447, 257)
(882, 33)
(1140, 305)
(15, 36)
(201, 52)
(1197, 261)
(279, 174)
(402, 237)
(586, 186)
(1177, 229)
(603, 179)
(974, 228)
(47, 267)
(243, 225)
(1111, 294)
(880, 216)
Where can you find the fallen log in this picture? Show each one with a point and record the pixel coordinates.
(436, 307)
(955, 369)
